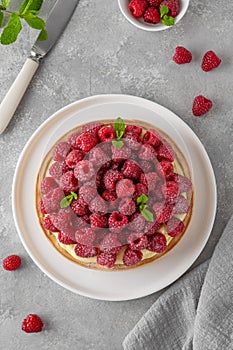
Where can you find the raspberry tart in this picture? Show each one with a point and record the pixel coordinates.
(114, 195)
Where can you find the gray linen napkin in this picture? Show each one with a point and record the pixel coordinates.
(194, 313)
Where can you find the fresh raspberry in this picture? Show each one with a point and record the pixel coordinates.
(98, 206)
(127, 206)
(74, 157)
(182, 55)
(98, 157)
(151, 228)
(163, 212)
(32, 324)
(86, 141)
(51, 201)
(201, 105)
(92, 128)
(84, 251)
(151, 15)
(132, 257)
(134, 129)
(69, 183)
(149, 180)
(109, 196)
(166, 152)
(11, 262)
(106, 133)
(125, 188)
(85, 236)
(47, 185)
(154, 3)
(175, 227)
(185, 185)
(120, 154)
(107, 259)
(173, 6)
(57, 169)
(171, 191)
(110, 178)
(152, 138)
(165, 169)
(78, 208)
(42, 207)
(147, 152)
(72, 139)
(84, 171)
(65, 239)
(132, 140)
(98, 220)
(147, 167)
(139, 190)
(131, 169)
(137, 241)
(137, 223)
(110, 243)
(210, 61)
(62, 221)
(117, 222)
(86, 194)
(60, 151)
(79, 222)
(48, 225)
(157, 243)
(181, 206)
(138, 7)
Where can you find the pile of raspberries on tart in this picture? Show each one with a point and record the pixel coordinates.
(114, 195)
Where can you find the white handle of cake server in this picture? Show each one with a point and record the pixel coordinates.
(16, 92)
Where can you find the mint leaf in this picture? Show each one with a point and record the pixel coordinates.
(5, 3)
(43, 35)
(168, 20)
(35, 5)
(66, 201)
(119, 127)
(148, 215)
(117, 144)
(142, 199)
(75, 196)
(11, 31)
(29, 6)
(34, 21)
(1, 18)
(24, 6)
(163, 11)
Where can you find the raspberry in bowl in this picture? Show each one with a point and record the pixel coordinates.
(153, 15)
(114, 195)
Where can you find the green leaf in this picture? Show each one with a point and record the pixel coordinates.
(5, 3)
(148, 215)
(30, 5)
(117, 144)
(168, 20)
(34, 21)
(1, 18)
(75, 196)
(119, 127)
(142, 199)
(163, 11)
(35, 5)
(66, 201)
(43, 35)
(24, 6)
(11, 31)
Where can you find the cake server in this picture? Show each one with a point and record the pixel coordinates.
(56, 22)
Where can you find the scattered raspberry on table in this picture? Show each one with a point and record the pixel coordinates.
(201, 105)
(182, 55)
(32, 324)
(11, 262)
(210, 61)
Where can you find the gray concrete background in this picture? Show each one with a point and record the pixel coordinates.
(100, 52)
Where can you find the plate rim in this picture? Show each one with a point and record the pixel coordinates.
(107, 98)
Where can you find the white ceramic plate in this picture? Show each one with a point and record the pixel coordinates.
(129, 284)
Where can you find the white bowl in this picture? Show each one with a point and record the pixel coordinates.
(141, 24)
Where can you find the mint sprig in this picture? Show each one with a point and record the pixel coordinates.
(67, 200)
(165, 19)
(119, 127)
(28, 12)
(142, 205)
